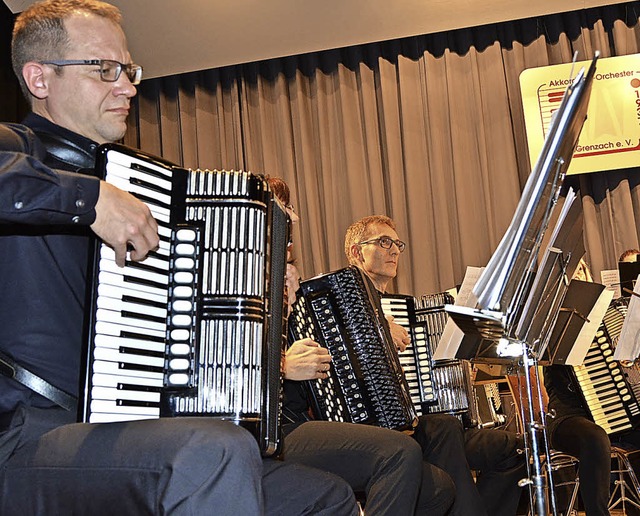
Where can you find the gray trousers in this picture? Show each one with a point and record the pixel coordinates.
(178, 466)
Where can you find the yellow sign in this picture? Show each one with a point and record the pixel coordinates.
(610, 138)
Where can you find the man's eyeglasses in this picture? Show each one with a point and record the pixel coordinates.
(386, 243)
(109, 70)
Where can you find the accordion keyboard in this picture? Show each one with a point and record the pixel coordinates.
(608, 387)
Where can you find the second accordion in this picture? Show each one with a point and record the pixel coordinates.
(342, 312)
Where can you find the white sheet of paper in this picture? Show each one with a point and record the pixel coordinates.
(589, 329)
(452, 336)
(611, 279)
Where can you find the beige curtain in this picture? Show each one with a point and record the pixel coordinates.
(428, 130)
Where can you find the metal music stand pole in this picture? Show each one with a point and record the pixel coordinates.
(540, 482)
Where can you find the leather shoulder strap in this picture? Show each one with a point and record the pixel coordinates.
(12, 369)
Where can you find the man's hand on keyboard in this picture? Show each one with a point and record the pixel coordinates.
(124, 223)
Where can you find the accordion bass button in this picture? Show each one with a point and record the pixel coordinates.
(180, 334)
(185, 249)
(186, 235)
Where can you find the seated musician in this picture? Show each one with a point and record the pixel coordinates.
(372, 244)
(383, 464)
(572, 430)
(49, 464)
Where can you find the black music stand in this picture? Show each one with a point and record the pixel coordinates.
(578, 320)
(484, 330)
(629, 271)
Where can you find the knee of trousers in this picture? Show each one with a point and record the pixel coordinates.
(207, 445)
(206, 460)
(405, 450)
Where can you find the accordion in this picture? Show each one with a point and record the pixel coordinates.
(341, 311)
(452, 377)
(415, 360)
(442, 386)
(610, 389)
(198, 327)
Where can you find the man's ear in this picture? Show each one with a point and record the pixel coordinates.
(35, 77)
(356, 253)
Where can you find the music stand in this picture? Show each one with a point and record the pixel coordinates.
(629, 271)
(562, 253)
(578, 320)
(504, 290)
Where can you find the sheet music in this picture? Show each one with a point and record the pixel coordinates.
(611, 279)
(452, 336)
(563, 247)
(562, 216)
(628, 347)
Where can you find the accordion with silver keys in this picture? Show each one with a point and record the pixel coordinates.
(198, 327)
(341, 311)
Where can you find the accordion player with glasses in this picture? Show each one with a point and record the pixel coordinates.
(341, 311)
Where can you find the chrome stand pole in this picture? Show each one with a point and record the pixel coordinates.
(539, 481)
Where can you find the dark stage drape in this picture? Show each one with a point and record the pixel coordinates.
(428, 130)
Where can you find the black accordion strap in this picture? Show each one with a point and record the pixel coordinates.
(8, 367)
(66, 151)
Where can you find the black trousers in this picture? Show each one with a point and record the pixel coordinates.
(386, 465)
(582, 438)
(492, 453)
(497, 456)
(178, 466)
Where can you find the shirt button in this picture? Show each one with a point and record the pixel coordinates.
(79, 203)
(18, 205)
(75, 219)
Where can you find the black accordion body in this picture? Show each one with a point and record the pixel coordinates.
(610, 389)
(452, 378)
(197, 328)
(341, 311)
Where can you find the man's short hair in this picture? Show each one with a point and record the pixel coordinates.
(356, 232)
(39, 33)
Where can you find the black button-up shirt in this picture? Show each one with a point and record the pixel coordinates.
(44, 241)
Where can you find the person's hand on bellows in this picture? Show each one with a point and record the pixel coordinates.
(306, 360)
(125, 224)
